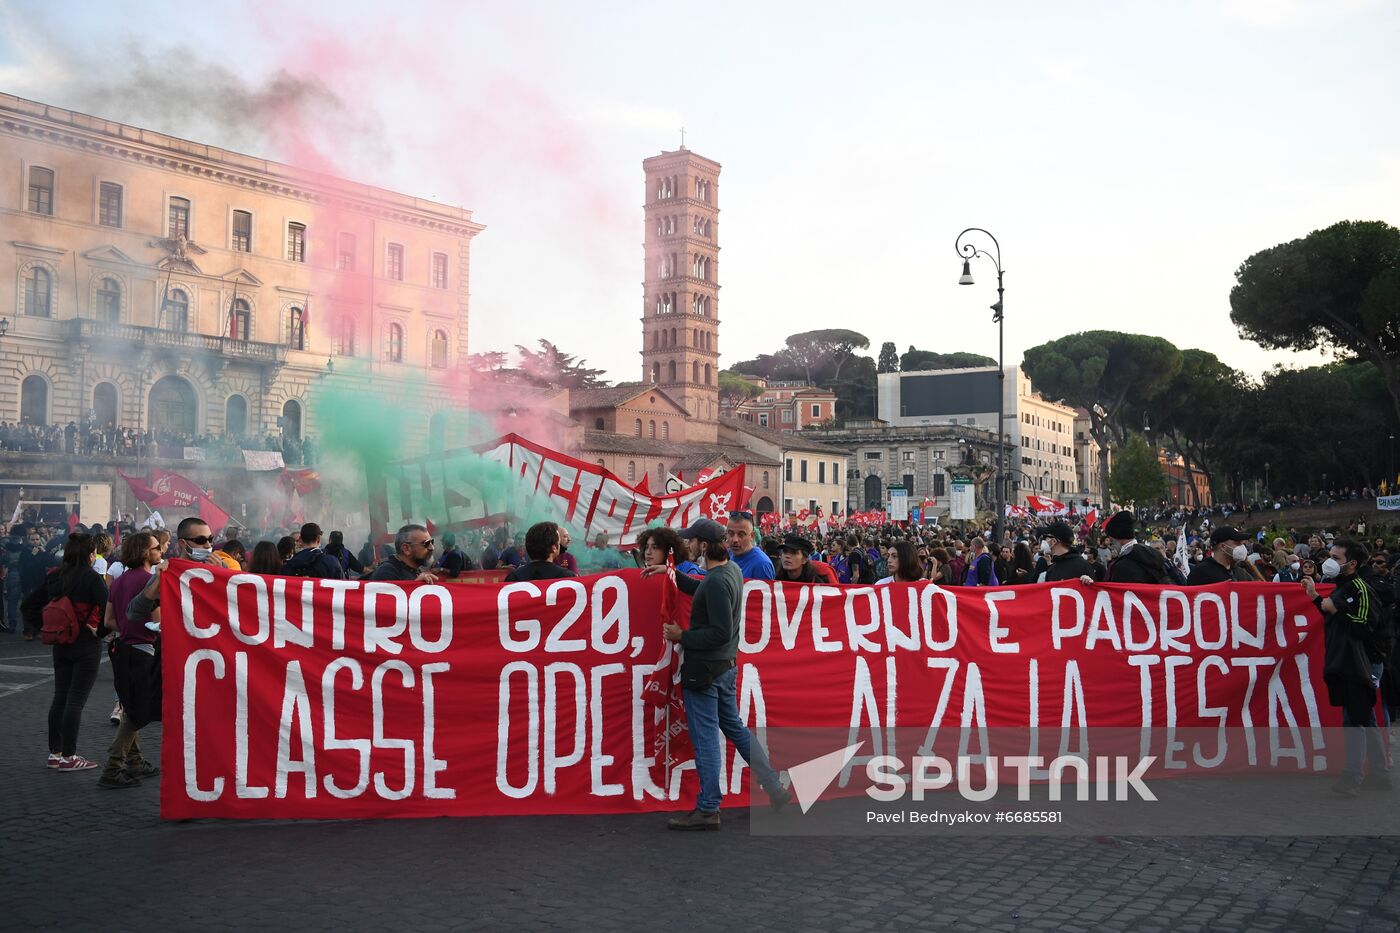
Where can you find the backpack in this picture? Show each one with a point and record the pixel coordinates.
(61, 622)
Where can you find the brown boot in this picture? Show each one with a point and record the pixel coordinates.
(695, 819)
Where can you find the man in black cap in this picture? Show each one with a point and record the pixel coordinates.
(708, 676)
(794, 561)
(1066, 562)
(1225, 543)
(1132, 562)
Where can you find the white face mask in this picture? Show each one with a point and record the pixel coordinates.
(1330, 567)
(1045, 547)
(1295, 566)
(201, 553)
(1240, 552)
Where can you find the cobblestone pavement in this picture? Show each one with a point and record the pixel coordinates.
(76, 854)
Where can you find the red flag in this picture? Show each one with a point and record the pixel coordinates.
(668, 734)
(139, 488)
(215, 517)
(644, 487)
(1092, 518)
(72, 519)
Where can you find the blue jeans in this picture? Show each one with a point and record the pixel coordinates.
(1363, 739)
(710, 712)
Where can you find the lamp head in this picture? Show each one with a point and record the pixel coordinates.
(966, 277)
(4, 326)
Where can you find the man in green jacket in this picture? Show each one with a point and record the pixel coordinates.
(708, 676)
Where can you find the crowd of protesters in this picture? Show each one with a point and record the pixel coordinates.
(88, 439)
(110, 576)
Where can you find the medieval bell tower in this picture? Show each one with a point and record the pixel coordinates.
(680, 313)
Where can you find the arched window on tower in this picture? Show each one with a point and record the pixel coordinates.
(707, 374)
(655, 372)
(672, 371)
(696, 335)
(673, 337)
(695, 371)
(597, 424)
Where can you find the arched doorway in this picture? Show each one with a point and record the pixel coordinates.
(34, 400)
(236, 416)
(874, 492)
(174, 406)
(291, 419)
(764, 505)
(104, 406)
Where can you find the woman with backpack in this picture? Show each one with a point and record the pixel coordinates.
(67, 609)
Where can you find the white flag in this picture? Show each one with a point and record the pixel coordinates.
(1182, 560)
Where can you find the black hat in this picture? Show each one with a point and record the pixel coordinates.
(706, 529)
(1121, 525)
(797, 543)
(1060, 532)
(1226, 533)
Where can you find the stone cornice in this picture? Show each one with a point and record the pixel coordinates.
(153, 150)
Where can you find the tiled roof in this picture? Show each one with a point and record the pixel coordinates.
(793, 441)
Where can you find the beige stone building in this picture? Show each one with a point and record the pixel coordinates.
(160, 283)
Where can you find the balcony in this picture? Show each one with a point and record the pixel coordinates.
(226, 347)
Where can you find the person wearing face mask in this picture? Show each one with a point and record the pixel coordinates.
(1132, 562)
(1227, 547)
(1287, 567)
(1066, 562)
(1355, 646)
(193, 541)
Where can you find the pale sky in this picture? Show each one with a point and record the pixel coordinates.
(1128, 156)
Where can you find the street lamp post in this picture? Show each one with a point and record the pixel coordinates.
(968, 252)
(1387, 482)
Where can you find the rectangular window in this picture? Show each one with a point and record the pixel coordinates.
(40, 190)
(803, 470)
(787, 506)
(787, 416)
(439, 270)
(835, 507)
(821, 471)
(938, 480)
(296, 242)
(109, 204)
(242, 231)
(874, 455)
(787, 470)
(345, 252)
(178, 223)
(909, 483)
(908, 455)
(816, 411)
(393, 262)
(763, 419)
(812, 506)
(835, 472)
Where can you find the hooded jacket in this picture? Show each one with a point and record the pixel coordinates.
(313, 562)
(1138, 564)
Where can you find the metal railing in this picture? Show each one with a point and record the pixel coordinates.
(90, 329)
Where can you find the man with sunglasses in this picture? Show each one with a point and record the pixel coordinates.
(193, 541)
(412, 559)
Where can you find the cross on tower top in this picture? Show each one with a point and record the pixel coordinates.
(682, 137)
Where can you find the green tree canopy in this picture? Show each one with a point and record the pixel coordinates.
(824, 352)
(1137, 476)
(550, 366)
(889, 358)
(915, 360)
(735, 387)
(1336, 289)
(1104, 372)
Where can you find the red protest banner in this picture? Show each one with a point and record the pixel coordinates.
(512, 477)
(290, 697)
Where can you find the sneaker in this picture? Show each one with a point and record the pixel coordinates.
(1377, 780)
(76, 763)
(140, 769)
(54, 760)
(117, 781)
(695, 819)
(116, 716)
(1347, 786)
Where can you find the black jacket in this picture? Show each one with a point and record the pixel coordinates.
(537, 570)
(1139, 564)
(1068, 566)
(1207, 572)
(394, 569)
(313, 562)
